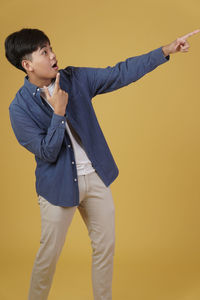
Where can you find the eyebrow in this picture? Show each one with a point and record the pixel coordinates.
(44, 46)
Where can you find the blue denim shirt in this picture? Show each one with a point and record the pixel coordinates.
(42, 132)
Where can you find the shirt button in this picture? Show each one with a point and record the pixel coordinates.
(72, 162)
(75, 179)
(62, 122)
(69, 146)
(33, 94)
(38, 89)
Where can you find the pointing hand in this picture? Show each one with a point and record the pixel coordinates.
(179, 45)
(59, 99)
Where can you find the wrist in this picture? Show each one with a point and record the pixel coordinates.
(59, 112)
(166, 50)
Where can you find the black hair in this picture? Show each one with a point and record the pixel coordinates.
(20, 44)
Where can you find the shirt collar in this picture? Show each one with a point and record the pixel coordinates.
(30, 86)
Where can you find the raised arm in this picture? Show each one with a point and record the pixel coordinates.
(104, 80)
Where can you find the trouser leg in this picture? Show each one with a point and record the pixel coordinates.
(55, 221)
(98, 213)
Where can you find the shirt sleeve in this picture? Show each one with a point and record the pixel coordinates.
(45, 144)
(104, 80)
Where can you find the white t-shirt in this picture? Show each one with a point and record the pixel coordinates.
(83, 164)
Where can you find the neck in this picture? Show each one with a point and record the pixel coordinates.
(40, 82)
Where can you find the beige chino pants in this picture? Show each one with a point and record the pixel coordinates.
(97, 210)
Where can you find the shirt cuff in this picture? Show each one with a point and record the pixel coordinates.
(58, 121)
(159, 57)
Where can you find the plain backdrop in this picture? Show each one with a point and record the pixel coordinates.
(152, 127)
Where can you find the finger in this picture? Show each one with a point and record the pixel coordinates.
(57, 85)
(181, 43)
(183, 49)
(185, 46)
(178, 44)
(186, 36)
(47, 94)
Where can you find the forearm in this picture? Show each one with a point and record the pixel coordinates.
(45, 145)
(49, 147)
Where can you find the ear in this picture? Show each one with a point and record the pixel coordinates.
(27, 65)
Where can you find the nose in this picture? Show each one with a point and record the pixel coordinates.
(52, 55)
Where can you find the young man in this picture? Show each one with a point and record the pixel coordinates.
(52, 116)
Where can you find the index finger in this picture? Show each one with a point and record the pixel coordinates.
(190, 34)
(57, 85)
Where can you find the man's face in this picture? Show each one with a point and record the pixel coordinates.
(43, 64)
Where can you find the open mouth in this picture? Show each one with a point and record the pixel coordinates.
(55, 66)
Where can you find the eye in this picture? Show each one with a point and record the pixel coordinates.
(44, 52)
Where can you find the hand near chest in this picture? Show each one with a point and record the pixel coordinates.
(59, 98)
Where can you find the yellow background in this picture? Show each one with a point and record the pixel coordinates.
(152, 127)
